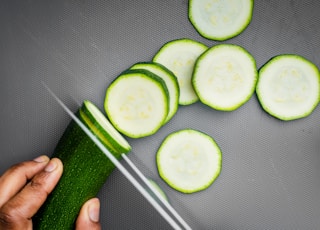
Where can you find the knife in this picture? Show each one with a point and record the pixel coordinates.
(175, 220)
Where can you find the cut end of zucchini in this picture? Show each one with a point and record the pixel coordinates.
(189, 160)
(137, 103)
(103, 129)
(288, 87)
(220, 19)
(179, 56)
(225, 77)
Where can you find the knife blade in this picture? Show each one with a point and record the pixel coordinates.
(177, 223)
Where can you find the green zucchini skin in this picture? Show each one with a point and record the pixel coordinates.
(85, 171)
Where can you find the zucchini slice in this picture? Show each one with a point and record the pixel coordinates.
(189, 160)
(85, 169)
(289, 87)
(179, 56)
(103, 129)
(225, 77)
(170, 80)
(220, 19)
(159, 189)
(137, 103)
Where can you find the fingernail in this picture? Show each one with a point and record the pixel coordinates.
(51, 166)
(94, 210)
(41, 159)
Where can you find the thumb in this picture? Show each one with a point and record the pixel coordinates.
(89, 216)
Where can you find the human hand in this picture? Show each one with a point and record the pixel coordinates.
(24, 188)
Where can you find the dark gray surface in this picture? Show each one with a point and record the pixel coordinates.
(271, 169)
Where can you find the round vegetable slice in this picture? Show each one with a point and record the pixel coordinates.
(220, 19)
(103, 129)
(179, 56)
(288, 87)
(137, 103)
(225, 77)
(189, 160)
(170, 80)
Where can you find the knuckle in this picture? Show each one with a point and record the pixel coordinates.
(5, 220)
(38, 188)
(8, 217)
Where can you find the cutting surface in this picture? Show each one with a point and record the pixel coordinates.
(270, 170)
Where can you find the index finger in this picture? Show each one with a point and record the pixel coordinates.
(16, 177)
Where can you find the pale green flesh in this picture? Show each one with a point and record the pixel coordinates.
(179, 56)
(170, 81)
(136, 105)
(189, 161)
(288, 87)
(220, 19)
(107, 126)
(225, 77)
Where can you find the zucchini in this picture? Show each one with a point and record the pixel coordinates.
(179, 56)
(288, 87)
(86, 169)
(102, 128)
(170, 80)
(189, 160)
(220, 19)
(156, 186)
(225, 77)
(137, 103)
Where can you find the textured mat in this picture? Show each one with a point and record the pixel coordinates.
(271, 169)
